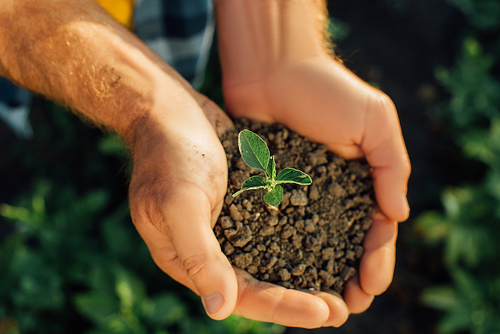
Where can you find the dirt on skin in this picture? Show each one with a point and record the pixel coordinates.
(313, 239)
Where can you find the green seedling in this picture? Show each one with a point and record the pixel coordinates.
(255, 153)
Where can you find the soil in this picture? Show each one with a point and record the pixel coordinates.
(313, 239)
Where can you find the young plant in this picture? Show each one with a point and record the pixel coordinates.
(255, 153)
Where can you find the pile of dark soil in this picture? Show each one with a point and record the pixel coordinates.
(313, 239)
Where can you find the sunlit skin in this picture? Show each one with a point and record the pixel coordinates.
(279, 71)
(275, 68)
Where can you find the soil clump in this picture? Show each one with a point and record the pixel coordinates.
(313, 239)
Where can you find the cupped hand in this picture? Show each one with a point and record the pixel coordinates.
(322, 100)
(176, 193)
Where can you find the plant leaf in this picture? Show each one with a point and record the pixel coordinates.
(253, 150)
(255, 182)
(96, 305)
(271, 169)
(275, 196)
(291, 175)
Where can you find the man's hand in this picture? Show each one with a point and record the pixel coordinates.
(323, 101)
(176, 193)
(275, 69)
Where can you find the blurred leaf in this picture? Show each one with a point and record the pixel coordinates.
(113, 309)
(240, 325)
(39, 285)
(467, 244)
(474, 91)
(433, 226)
(338, 29)
(92, 203)
(456, 321)
(15, 213)
(484, 144)
(102, 280)
(97, 306)
(129, 288)
(112, 145)
(164, 309)
(117, 237)
(123, 324)
(483, 14)
(452, 200)
(440, 297)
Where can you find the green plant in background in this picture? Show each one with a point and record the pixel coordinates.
(482, 14)
(255, 153)
(337, 29)
(469, 226)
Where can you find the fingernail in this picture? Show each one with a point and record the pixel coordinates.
(212, 302)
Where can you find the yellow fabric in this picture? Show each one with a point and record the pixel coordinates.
(121, 10)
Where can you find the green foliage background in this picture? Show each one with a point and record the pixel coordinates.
(468, 227)
(72, 262)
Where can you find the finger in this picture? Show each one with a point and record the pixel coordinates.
(356, 298)
(385, 151)
(339, 312)
(347, 151)
(187, 226)
(379, 258)
(163, 254)
(272, 303)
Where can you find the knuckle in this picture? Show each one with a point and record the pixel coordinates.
(383, 102)
(195, 265)
(146, 205)
(383, 106)
(165, 259)
(387, 102)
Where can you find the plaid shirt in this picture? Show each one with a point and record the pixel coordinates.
(179, 31)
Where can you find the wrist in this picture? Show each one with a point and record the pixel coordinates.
(255, 37)
(73, 52)
(169, 110)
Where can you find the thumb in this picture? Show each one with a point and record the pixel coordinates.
(200, 254)
(385, 151)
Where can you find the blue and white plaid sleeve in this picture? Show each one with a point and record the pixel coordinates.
(179, 31)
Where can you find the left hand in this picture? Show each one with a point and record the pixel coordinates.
(322, 100)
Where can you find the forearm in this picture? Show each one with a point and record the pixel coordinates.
(73, 52)
(254, 36)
